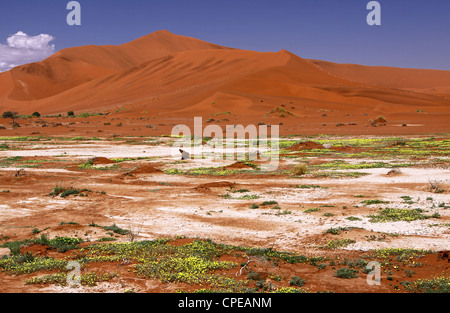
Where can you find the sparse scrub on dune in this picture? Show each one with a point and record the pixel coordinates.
(346, 273)
(281, 112)
(311, 210)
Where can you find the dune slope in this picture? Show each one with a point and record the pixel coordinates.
(184, 77)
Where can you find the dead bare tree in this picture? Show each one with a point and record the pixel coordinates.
(134, 232)
(249, 260)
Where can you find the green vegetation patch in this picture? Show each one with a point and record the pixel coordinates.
(376, 201)
(436, 284)
(337, 230)
(394, 215)
(86, 279)
(338, 243)
(346, 273)
(400, 253)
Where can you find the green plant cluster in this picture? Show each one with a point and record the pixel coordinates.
(65, 192)
(86, 279)
(60, 244)
(337, 243)
(394, 215)
(26, 264)
(436, 284)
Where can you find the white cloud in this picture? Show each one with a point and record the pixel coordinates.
(22, 49)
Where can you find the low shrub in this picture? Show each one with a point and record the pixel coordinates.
(346, 273)
(300, 169)
(297, 281)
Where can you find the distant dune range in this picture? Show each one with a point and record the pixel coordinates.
(176, 77)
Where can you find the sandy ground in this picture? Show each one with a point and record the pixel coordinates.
(159, 205)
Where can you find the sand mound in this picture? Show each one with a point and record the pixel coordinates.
(145, 169)
(306, 145)
(102, 160)
(207, 187)
(238, 165)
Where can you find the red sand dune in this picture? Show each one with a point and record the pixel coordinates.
(177, 77)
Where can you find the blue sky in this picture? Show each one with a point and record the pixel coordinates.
(413, 33)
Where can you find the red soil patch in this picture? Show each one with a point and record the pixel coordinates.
(102, 160)
(181, 242)
(37, 250)
(306, 146)
(238, 165)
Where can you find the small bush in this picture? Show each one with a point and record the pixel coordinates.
(339, 243)
(311, 210)
(336, 231)
(269, 203)
(70, 113)
(69, 192)
(436, 187)
(297, 281)
(369, 202)
(240, 190)
(116, 229)
(56, 191)
(254, 276)
(438, 284)
(106, 239)
(353, 218)
(394, 215)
